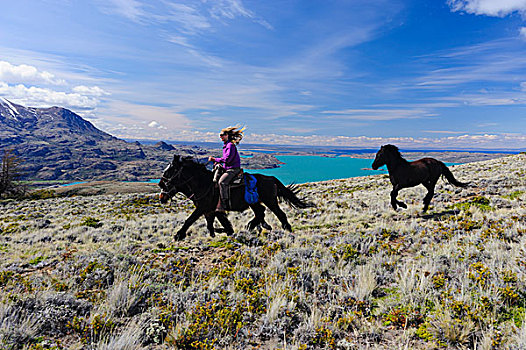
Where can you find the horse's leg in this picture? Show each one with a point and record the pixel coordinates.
(181, 234)
(252, 224)
(265, 225)
(394, 193)
(430, 192)
(394, 201)
(274, 207)
(210, 223)
(223, 219)
(259, 211)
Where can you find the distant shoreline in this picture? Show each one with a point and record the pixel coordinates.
(325, 149)
(451, 156)
(445, 156)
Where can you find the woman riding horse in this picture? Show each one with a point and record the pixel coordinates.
(232, 163)
(403, 174)
(195, 181)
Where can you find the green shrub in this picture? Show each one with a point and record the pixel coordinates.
(5, 276)
(514, 195)
(91, 222)
(37, 259)
(42, 194)
(479, 202)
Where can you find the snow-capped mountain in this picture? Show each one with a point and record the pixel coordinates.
(45, 123)
(55, 143)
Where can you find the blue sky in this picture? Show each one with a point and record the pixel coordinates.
(416, 73)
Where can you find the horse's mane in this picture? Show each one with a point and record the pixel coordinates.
(393, 150)
(194, 164)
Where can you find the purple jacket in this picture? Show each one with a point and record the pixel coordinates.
(230, 156)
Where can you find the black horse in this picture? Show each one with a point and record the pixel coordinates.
(195, 181)
(403, 174)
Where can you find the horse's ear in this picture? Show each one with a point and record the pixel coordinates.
(176, 159)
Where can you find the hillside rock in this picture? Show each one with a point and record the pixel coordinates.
(261, 161)
(164, 146)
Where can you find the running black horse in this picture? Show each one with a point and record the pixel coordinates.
(195, 181)
(403, 174)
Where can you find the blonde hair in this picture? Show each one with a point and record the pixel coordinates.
(235, 135)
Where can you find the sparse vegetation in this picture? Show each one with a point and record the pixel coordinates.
(103, 272)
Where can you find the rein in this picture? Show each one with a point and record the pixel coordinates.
(187, 183)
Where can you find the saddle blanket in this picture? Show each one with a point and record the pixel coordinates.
(251, 193)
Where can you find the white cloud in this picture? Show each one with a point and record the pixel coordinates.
(130, 120)
(189, 18)
(488, 73)
(522, 32)
(42, 97)
(494, 99)
(193, 17)
(24, 74)
(90, 90)
(234, 8)
(180, 40)
(462, 141)
(496, 8)
(523, 86)
(131, 9)
(448, 132)
(487, 125)
(155, 125)
(380, 114)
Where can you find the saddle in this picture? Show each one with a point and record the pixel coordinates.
(240, 180)
(237, 181)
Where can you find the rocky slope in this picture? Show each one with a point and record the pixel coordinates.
(103, 272)
(57, 144)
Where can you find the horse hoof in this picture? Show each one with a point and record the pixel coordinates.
(266, 226)
(212, 234)
(402, 205)
(180, 236)
(229, 232)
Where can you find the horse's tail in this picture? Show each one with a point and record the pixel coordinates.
(450, 178)
(290, 195)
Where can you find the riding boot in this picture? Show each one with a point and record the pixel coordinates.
(225, 204)
(220, 206)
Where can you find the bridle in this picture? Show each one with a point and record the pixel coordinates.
(174, 190)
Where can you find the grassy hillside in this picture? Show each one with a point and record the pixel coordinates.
(103, 272)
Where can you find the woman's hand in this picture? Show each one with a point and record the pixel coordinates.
(210, 159)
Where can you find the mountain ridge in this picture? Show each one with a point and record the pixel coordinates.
(58, 144)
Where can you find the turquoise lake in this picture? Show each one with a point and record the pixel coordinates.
(301, 169)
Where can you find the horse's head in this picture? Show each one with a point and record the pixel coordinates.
(386, 153)
(168, 182)
(379, 160)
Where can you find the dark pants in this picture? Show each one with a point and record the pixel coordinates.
(224, 181)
